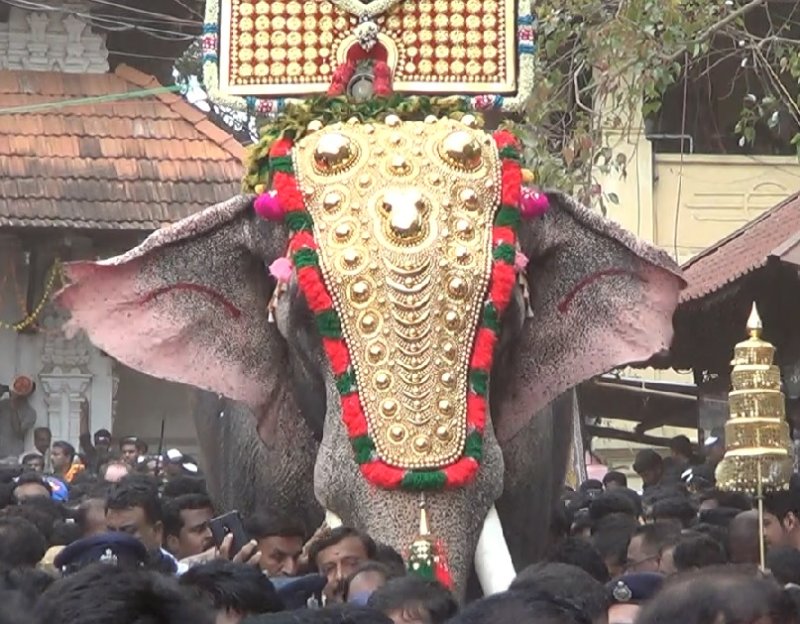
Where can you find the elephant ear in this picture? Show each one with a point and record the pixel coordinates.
(189, 304)
(600, 298)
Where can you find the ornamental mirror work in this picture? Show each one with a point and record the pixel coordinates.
(277, 48)
(403, 215)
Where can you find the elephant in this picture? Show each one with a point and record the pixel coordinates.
(189, 305)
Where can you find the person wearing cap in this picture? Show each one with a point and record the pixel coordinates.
(111, 548)
(16, 417)
(627, 594)
(649, 465)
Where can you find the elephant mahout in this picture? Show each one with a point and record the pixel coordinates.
(404, 319)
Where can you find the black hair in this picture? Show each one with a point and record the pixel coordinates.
(647, 459)
(675, 508)
(782, 503)
(43, 513)
(414, 594)
(21, 543)
(236, 586)
(580, 553)
(726, 594)
(102, 593)
(614, 476)
(389, 557)
(611, 536)
(180, 485)
(682, 445)
(66, 448)
(135, 491)
(590, 484)
(335, 614)
(718, 516)
(515, 606)
(657, 536)
(368, 566)
(609, 503)
(698, 551)
(129, 440)
(261, 525)
(734, 500)
(64, 533)
(337, 535)
(565, 582)
(172, 508)
(784, 563)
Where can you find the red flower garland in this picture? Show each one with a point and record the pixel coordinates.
(304, 250)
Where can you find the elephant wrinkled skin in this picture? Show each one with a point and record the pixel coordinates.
(190, 305)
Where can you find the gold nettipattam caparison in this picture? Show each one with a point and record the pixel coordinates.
(275, 48)
(758, 455)
(403, 212)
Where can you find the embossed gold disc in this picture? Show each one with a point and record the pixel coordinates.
(404, 232)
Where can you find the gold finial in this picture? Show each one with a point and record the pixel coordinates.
(424, 529)
(754, 324)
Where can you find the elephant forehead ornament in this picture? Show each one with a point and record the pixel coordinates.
(404, 245)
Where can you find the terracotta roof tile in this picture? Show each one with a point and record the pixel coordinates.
(742, 252)
(131, 164)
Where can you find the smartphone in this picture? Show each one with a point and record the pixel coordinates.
(230, 522)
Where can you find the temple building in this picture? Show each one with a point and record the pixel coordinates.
(94, 155)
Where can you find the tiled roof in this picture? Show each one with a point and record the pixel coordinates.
(744, 251)
(125, 164)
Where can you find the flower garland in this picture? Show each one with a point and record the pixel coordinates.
(303, 250)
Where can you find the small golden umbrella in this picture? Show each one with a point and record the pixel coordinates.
(758, 448)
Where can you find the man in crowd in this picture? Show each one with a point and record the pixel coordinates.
(186, 529)
(16, 418)
(280, 543)
(30, 485)
(337, 554)
(646, 546)
(96, 453)
(782, 517)
(649, 465)
(133, 507)
(129, 450)
(62, 455)
(32, 461)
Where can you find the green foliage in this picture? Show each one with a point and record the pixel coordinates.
(599, 60)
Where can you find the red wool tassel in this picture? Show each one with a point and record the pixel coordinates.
(353, 415)
(483, 349)
(512, 183)
(281, 147)
(503, 234)
(341, 78)
(476, 412)
(286, 187)
(302, 240)
(337, 353)
(441, 569)
(461, 473)
(504, 138)
(502, 283)
(382, 475)
(383, 79)
(314, 290)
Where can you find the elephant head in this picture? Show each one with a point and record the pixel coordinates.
(190, 304)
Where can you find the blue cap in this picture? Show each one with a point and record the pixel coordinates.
(113, 548)
(59, 491)
(635, 587)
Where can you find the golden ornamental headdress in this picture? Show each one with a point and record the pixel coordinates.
(262, 55)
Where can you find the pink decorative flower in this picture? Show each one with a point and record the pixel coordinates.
(520, 262)
(533, 203)
(268, 206)
(281, 270)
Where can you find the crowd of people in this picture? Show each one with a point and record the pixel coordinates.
(112, 534)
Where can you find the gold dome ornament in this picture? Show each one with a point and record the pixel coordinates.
(758, 454)
(334, 153)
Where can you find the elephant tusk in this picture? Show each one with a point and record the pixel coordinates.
(493, 562)
(332, 520)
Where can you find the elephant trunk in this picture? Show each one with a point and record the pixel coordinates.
(391, 517)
